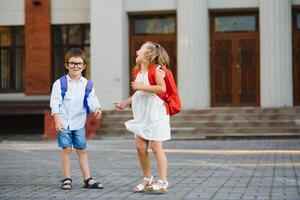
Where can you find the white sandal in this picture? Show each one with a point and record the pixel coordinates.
(145, 182)
(159, 186)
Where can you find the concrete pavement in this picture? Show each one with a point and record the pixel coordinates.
(267, 169)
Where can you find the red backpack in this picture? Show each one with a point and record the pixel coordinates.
(171, 96)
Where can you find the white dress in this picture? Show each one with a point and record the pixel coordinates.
(150, 119)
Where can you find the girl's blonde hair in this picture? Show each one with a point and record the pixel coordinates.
(156, 54)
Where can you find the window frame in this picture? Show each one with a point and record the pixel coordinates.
(12, 49)
(65, 47)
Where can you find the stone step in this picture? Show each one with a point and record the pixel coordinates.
(213, 130)
(221, 124)
(216, 122)
(189, 133)
(213, 118)
(227, 110)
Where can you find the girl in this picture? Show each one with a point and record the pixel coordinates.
(151, 121)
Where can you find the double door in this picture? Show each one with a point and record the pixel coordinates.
(235, 69)
(159, 28)
(296, 56)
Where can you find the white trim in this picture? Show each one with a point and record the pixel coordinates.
(12, 12)
(22, 97)
(70, 11)
(230, 4)
(146, 5)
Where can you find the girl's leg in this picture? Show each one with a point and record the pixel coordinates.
(141, 147)
(83, 162)
(142, 151)
(65, 163)
(161, 159)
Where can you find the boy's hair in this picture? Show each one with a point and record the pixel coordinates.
(75, 52)
(156, 54)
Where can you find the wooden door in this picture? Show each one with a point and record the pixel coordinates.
(296, 56)
(235, 68)
(165, 36)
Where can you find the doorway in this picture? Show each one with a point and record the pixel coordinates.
(234, 59)
(159, 28)
(296, 55)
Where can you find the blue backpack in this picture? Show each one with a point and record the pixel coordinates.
(88, 89)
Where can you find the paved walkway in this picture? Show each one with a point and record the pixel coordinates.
(200, 169)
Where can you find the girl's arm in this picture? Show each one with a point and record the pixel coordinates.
(160, 86)
(123, 104)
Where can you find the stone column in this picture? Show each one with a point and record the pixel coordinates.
(193, 53)
(109, 62)
(275, 53)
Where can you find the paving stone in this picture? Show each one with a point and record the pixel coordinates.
(31, 170)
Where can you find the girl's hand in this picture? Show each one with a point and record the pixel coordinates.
(98, 113)
(121, 105)
(136, 85)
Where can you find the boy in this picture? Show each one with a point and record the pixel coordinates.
(70, 115)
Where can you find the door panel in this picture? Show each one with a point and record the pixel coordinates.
(248, 59)
(296, 56)
(222, 71)
(296, 66)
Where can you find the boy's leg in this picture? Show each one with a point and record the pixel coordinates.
(65, 161)
(89, 182)
(79, 142)
(64, 139)
(83, 162)
(141, 147)
(161, 159)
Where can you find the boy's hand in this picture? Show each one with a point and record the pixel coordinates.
(98, 113)
(136, 85)
(120, 106)
(59, 126)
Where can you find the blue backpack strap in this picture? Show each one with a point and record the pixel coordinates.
(88, 89)
(63, 86)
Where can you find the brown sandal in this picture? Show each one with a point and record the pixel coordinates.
(66, 182)
(95, 185)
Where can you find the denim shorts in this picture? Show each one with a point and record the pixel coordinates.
(67, 138)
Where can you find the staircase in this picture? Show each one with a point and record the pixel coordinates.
(215, 122)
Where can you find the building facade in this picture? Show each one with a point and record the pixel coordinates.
(224, 53)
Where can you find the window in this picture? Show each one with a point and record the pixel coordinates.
(65, 37)
(11, 58)
(235, 23)
(298, 21)
(154, 25)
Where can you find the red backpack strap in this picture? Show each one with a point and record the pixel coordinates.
(152, 74)
(135, 72)
(152, 80)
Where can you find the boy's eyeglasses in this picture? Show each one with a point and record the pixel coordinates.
(80, 65)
